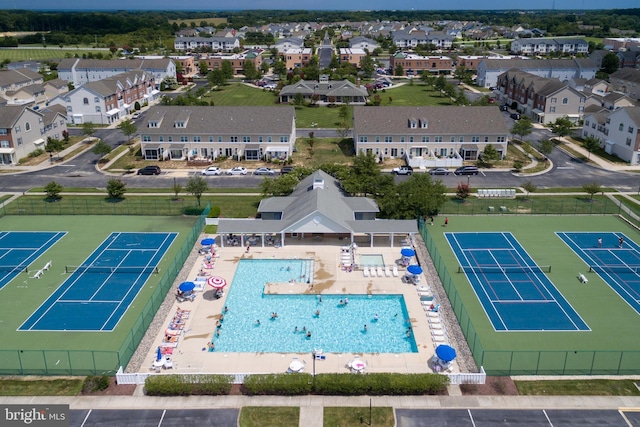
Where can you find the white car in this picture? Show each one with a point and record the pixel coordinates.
(135, 115)
(264, 171)
(238, 170)
(270, 86)
(212, 170)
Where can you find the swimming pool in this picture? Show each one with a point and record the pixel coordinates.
(337, 329)
(369, 260)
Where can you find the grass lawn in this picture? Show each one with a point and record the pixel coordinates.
(59, 387)
(411, 93)
(325, 150)
(44, 157)
(578, 388)
(240, 94)
(264, 416)
(355, 416)
(16, 55)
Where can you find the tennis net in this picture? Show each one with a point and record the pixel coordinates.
(633, 269)
(21, 268)
(505, 270)
(110, 270)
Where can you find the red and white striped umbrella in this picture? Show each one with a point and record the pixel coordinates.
(216, 282)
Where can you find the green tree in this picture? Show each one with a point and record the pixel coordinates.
(367, 66)
(591, 144)
(264, 67)
(128, 128)
(53, 146)
(610, 63)
(463, 191)
(490, 154)
(298, 99)
(196, 186)
(227, 69)
(414, 197)
(177, 188)
(562, 126)
(116, 188)
(546, 147)
(592, 188)
(216, 77)
(398, 70)
(280, 67)
(529, 187)
(203, 68)
(101, 148)
(344, 126)
(461, 73)
(249, 70)
(280, 186)
(88, 129)
(522, 127)
(364, 176)
(53, 190)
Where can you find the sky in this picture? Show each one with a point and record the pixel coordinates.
(317, 5)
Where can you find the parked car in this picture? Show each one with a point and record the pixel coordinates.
(264, 171)
(212, 170)
(504, 108)
(403, 170)
(439, 171)
(238, 170)
(492, 100)
(149, 170)
(270, 86)
(135, 115)
(515, 116)
(287, 169)
(467, 170)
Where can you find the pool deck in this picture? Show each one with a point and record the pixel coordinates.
(191, 355)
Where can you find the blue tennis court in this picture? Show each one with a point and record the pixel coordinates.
(616, 261)
(18, 249)
(514, 291)
(98, 293)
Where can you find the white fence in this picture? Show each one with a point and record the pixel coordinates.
(454, 378)
(505, 193)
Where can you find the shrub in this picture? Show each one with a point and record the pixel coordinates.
(214, 212)
(192, 210)
(517, 165)
(95, 383)
(36, 153)
(185, 385)
(378, 384)
(278, 384)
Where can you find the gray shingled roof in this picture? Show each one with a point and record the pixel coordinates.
(9, 114)
(531, 64)
(220, 120)
(21, 76)
(109, 85)
(441, 120)
(328, 88)
(634, 114)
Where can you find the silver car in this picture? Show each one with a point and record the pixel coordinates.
(212, 170)
(238, 170)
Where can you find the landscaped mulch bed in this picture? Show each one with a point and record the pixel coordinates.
(493, 386)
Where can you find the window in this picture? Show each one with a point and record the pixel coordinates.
(96, 99)
(486, 139)
(4, 144)
(438, 139)
(184, 138)
(169, 139)
(219, 139)
(284, 139)
(17, 129)
(581, 109)
(85, 101)
(500, 139)
(424, 124)
(4, 131)
(554, 100)
(20, 141)
(552, 109)
(210, 139)
(565, 100)
(27, 127)
(246, 139)
(388, 139)
(268, 139)
(628, 141)
(363, 138)
(179, 124)
(146, 138)
(233, 139)
(425, 139)
(586, 122)
(475, 139)
(608, 120)
(402, 139)
(259, 139)
(413, 124)
(97, 108)
(394, 152)
(453, 139)
(630, 130)
(410, 139)
(621, 127)
(161, 138)
(153, 124)
(197, 139)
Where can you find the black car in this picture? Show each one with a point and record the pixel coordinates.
(149, 170)
(286, 169)
(467, 170)
(515, 116)
(504, 108)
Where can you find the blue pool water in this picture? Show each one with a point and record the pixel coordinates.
(338, 328)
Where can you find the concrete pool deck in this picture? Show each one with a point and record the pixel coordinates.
(191, 355)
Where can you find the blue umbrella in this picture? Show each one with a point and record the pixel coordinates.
(445, 353)
(159, 355)
(408, 252)
(208, 241)
(187, 286)
(414, 269)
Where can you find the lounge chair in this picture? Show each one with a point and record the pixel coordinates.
(387, 272)
(380, 272)
(433, 314)
(395, 270)
(438, 338)
(437, 333)
(435, 321)
(373, 272)
(365, 272)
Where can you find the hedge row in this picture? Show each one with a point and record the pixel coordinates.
(185, 385)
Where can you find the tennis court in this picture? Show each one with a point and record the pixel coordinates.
(516, 294)
(19, 249)
(98, 292)
(616, 261)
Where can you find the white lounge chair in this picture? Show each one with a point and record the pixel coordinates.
(395, 270)
(433, 314)
(373, 272)
(437, 333)
(365, 271)
(387, 272)
(438, 338)
(435, 327)
(380, 272)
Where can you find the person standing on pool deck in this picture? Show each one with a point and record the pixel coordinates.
(599, 242)
(621, 242)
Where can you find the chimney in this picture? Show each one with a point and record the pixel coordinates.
(318, 183)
